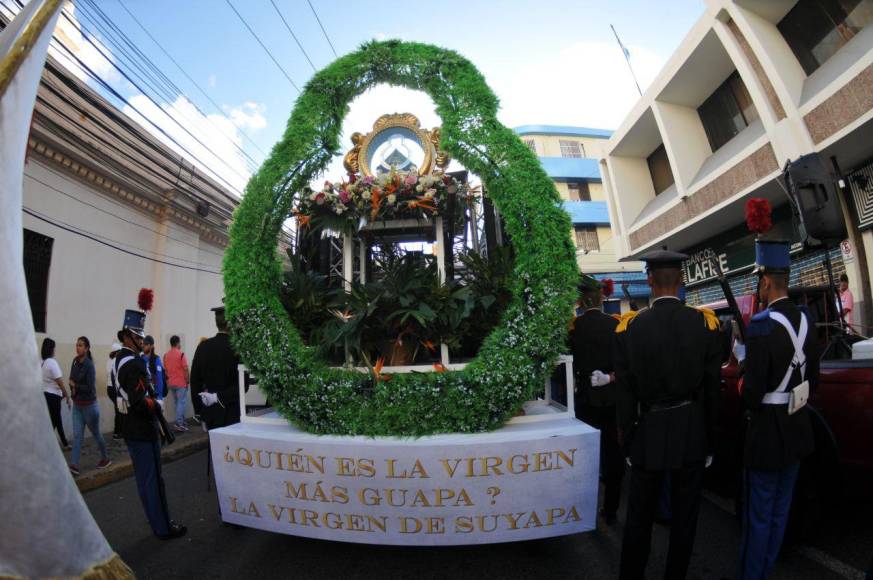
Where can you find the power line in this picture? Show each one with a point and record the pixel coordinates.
(93, 237)
(125, 220)
(294, 36)
(267, 50)
(183, 71)
(326, 37)
(151, 74)
(156, 104)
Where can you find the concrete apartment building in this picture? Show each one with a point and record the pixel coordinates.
(754, 84)
(569, 156)
(109, 209)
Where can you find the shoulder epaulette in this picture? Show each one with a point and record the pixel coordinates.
(616, 316)
(709, 317)
(626, 319)
(760, 325)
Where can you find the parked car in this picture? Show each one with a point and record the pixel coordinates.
(841, 410)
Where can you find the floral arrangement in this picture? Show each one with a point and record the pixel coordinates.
(514, 359)
(394, 195)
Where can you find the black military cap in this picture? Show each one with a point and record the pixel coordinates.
(664, 259)
(588, 283)
(218, 309)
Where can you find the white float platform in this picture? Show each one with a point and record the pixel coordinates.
(535, 477)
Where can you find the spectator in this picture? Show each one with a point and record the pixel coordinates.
(86, 411)
(176, 366)
(156, 369)
(847, 301)
(53, 386)
(112, 389)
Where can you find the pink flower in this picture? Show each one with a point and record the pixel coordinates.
(411, 179)
(344, 196)
(319, 199)
(368, 180)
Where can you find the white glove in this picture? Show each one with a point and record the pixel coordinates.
(708, 461)
(628, 461)
(599, 379)
(739, 350)
(161, 403)
(208, 399)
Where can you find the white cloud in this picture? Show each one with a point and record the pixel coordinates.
(220, 135)
(77, 41)
(586, 84)
(249, 115)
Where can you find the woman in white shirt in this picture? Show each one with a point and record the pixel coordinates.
(53, 386)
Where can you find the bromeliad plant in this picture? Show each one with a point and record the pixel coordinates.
(349, 205)
(515, 358)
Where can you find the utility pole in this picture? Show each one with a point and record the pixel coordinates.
(626, 54)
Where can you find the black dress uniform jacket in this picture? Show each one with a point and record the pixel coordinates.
(214, 370)
(668, 354)
(775, 439)
(592, 341)
(141, 421)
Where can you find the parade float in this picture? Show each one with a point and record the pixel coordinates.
(406, 403)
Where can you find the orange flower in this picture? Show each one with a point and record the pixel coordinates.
(422, 203)
(428, 345)
(302, 220)
(375, 202)
(438, 367)
(377, 370)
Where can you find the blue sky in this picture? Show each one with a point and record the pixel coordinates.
(548, 61)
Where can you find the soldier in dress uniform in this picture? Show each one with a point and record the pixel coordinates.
(593, 340)
(214, 378)
(667, 365)
(138, 407)
(781, 356)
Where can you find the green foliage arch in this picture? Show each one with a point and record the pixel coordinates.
(518, 355)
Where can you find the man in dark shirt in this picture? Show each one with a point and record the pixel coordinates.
(667, 365)
(138, 407)
(593, 341)
(214, 378)
(781, 355)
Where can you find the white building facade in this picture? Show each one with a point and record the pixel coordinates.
(108, 210)
(754, 84)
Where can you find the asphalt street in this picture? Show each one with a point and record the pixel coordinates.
(212, 550)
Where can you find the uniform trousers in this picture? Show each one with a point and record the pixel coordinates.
(611, 458)
(645, 492)
(765, 514)
(146, 458)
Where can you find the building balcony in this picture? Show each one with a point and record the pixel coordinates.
(587, 212)
(571, 168)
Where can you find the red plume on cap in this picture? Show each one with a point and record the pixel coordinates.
(758, 215)
(608, 287)
(145, 299)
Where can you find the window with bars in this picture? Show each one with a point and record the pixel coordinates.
(37, 259)
(816, 29)
(570, 148)
(586, 239)
(727, 111)
(531, 144)
(579, 191)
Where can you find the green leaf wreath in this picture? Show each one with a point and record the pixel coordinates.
(517, 356)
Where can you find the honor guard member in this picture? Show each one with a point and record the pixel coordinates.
(667, 365)
(593, 339)
(214, 378)
(137, 403)
(782, 366)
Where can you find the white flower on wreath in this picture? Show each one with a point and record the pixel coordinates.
(366, 195)
(430, 193)
(392, 198)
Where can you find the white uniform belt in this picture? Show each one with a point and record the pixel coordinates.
(776, 398)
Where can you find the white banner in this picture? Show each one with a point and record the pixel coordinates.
(524, 481)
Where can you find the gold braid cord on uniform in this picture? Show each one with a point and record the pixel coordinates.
(626, 319)
(109, 569)
(709, 317)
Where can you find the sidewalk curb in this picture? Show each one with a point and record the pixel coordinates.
(124, 468)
